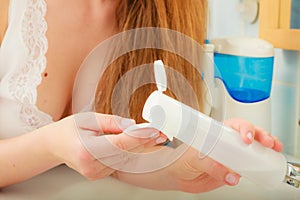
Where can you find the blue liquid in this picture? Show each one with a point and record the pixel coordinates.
(247, 95)
(247, 79)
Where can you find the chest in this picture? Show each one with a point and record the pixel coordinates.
(71, 35)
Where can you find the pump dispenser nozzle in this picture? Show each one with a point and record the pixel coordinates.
(293, 175)
(160, 76)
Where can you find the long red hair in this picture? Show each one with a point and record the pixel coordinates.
(188, 17)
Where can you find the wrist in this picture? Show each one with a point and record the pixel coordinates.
(47, 139)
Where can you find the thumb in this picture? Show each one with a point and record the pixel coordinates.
(102, 123)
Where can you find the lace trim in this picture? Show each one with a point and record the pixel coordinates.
(24, 81)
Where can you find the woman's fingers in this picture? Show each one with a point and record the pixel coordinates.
(95, 155)
(246, 129)
(278, 146)
(203, 183)
(264, 138)
(250, 132)
(130, 143)
(216, 170)
(102, 123)
(194, 165)
(267, 140)
(115, 150)
(113, 123)
(98, 155)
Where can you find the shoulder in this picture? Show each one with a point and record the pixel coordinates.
(4, 7)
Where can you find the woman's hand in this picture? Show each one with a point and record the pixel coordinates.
(250, 132)
(190, 173)
(79, 142)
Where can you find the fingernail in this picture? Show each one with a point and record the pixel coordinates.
(125, 123)
(160, 140)
(270, 141)
(154, 135)
(231, 179)
(250, 136)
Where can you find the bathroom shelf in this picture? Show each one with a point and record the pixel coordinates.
(275, 23)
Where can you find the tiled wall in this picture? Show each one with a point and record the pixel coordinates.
(225, 21)
(285, 99)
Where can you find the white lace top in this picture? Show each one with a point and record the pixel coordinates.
(22, 61)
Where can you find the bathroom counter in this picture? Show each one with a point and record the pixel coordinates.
(64, 183)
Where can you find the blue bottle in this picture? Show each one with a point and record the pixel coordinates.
(244, 67)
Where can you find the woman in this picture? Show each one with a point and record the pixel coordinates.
(43, 44)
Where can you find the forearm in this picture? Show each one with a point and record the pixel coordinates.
(24, 157)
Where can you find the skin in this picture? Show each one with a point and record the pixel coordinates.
(91, 22)
(63, 143)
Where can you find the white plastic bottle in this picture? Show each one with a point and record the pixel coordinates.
(255, 162)
(259, 164)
